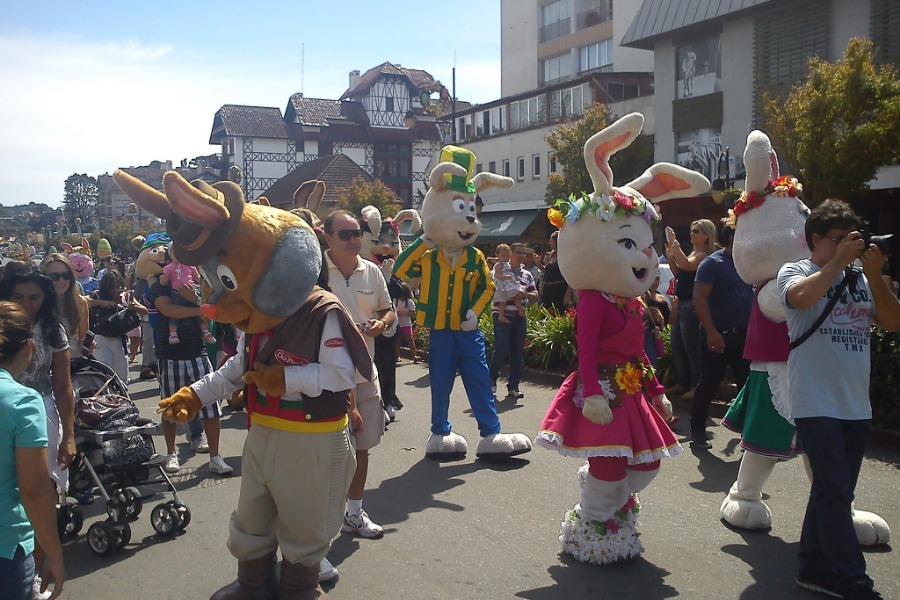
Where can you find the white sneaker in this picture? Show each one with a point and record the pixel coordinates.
(494, 387)
(218, 465)
(389, 409)
(362, 525)
(172, 465)
(36, 590)
(327, 571)
(200, 445)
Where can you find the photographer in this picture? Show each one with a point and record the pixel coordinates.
(829, 308)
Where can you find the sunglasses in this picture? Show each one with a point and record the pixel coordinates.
(57, 276)
(347, 234)
(695, 231)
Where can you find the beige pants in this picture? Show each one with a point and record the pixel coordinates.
(292, 495)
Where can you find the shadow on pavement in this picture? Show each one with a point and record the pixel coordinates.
(578, 580)
(718, 474)
(771, 562)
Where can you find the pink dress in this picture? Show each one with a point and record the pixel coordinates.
(607, 334)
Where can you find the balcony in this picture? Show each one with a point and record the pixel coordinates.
(554, 30)
(601, 14)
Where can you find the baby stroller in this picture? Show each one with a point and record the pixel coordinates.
(114, 453)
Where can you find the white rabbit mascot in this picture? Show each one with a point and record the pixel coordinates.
(456, 287)
(381, 236)
(769, 222)
(603, 411)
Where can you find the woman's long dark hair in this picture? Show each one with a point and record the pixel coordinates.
(17, 273)
(108, 288)
(15, 329)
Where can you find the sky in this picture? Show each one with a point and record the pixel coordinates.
(89, 87)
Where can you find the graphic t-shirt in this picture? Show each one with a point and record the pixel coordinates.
(828, 374)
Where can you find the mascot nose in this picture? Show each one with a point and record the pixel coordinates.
(209, 311)
(648, 251)
(471, 219)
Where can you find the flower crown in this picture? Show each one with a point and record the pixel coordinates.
(605, 207)
(785, 186)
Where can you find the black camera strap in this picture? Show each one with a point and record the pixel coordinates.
(849, 274)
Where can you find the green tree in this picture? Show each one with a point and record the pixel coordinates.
(839, 125)
(364, 193)
(567, 142)
(82, 195)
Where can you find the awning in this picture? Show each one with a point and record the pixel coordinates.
(497, 226)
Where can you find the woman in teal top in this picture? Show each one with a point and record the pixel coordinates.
(27, 500)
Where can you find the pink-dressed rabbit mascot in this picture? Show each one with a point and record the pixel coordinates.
(612, 410)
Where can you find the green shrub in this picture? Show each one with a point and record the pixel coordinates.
(550, 339)
(884, 387)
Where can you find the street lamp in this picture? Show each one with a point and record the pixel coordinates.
(720, 184)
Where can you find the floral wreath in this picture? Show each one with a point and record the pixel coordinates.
(785, 186)
(605, 207)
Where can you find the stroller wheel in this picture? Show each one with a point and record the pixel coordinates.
(69, 521)
(164, 519)
(123, 532)
(101, 537)
(184, 514)
(133, 503)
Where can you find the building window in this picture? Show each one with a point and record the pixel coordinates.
(506, 167)
(479, 167)
(622, 91)
(536, 166)
(464, 128)
(699, 68)
(520, 168)
(596, 55)
(551, 162)
(492, 166)
(528, 112)
(556, 69)
(592, 12)
(389, 104)
(497, 123)
(699, 150)
(554, 21)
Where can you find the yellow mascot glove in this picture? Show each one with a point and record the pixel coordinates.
(268, 378)
(182, 406)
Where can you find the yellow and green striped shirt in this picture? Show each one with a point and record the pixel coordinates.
(446, 294)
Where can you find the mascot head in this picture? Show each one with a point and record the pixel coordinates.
(258, 263)
(449, 216)
(80, 257)
(769, 218)
(381, 237)
(152, 256)
(606, 238)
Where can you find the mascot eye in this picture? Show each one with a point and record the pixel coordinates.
(375, 242)
(628, 243)
(459, 205)
(227, 278)
(472, 207)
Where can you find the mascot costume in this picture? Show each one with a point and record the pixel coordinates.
(456, 288)
(603, 410)
(148, 266)
(769, 222)
(80, 257)
(381, 245)
(298, 358)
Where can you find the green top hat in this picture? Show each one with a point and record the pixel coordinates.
(464, 158)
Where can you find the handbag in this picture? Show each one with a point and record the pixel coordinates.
(119, 323)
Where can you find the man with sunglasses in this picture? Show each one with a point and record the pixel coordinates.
(828, 382)
(360, 286)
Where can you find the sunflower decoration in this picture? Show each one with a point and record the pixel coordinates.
(628, 378)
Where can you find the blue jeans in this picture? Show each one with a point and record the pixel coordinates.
(828, 543)
(451, 351)
(17, 576)
(509, 342)
(686, 342)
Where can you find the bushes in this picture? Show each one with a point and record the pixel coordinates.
(884, 387)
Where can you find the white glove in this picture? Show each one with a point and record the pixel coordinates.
(663, 406)
(670, 235)
(387, 268)
(471, 321)
(596, 409)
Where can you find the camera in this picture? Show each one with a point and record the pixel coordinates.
(885, 243)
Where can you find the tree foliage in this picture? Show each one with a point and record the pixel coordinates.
(837, 127)
(364, 193)
(82, 196)
(567, 143)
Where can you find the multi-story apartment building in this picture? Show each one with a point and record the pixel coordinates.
(114, 205)
(382, 122)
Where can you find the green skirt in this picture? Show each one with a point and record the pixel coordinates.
(752, 414)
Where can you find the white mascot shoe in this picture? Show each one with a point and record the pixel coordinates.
(446, 445)
(603, 528)
(871, 530)
(502, 445)
(743, 507)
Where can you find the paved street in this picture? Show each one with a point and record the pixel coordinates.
(474, 529)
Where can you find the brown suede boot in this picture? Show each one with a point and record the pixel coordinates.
(299, 582)
(255, 581)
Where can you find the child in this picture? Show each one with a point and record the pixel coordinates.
(176, 275)
(406, 308)
(508, 288)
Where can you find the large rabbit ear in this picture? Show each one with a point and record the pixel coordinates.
(607, 142)
(371, 216)
(486, 179)
(309, 195)
(760, 161)
(664, 180)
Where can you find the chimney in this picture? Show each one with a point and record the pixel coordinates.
(354, 79)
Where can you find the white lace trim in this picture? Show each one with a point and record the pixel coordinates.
(553, 441)
(778, 385)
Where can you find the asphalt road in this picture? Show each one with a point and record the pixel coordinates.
(472, 529)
